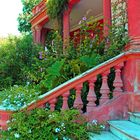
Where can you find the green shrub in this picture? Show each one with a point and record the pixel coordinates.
(20, 61)
(17, 54)
(16, 97)
(41, 124)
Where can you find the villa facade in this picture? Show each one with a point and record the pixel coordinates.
(126, 93)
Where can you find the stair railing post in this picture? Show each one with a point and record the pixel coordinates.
(118, 84)
(91, 95)
(65, 100)
(78, 101)
(52, 104)
(104, 88)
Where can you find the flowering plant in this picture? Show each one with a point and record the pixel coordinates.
(95, 127)
(43, 124)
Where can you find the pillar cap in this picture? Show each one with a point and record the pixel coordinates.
(38, 27)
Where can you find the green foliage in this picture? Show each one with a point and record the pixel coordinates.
(41, 124)
(17, 54)
(54, 75)
(118, 36)
(20, 64)
(16, 97)
(54, 44)
(90, 61)
(56, 7)
(89, 52)
(25, 16)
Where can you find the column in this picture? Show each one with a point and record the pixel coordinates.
(134, 23)
(107, 16)
(38, 34)
(131, 72)
(66, 28)
(43, 35)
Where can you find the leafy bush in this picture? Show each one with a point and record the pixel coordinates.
(41, 124)
(17, 96)
(55, 10)
(17, 54)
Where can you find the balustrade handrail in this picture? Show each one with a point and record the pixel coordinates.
(80, 79)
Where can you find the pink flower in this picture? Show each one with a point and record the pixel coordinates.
(40, 55)
(84, 18)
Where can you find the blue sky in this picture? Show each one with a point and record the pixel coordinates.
(9, 10)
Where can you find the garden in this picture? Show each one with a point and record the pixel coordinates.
(28, 70)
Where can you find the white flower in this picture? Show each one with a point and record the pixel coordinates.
(80, 22)
(16, 135)
(16, 86)
(9, 128)
(13, 119)
(62, 124)
(66, 138)
(51, 116)
(9, 96)
(46, 49)
(102, 126)
(27, 83)
(57, 130)
(29, 131)
(94, 122)
(37, 93)
(8, 121)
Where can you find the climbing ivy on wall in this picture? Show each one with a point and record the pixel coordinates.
(55, 9)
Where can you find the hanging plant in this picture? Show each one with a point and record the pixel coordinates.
(55, 9)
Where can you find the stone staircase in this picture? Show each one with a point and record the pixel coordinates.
(121, 129)
(125, 97)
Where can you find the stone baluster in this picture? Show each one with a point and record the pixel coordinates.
(65, 100)
(78, 101)
(52, 104)
(104, 88)
(118, 84)
(91, 97)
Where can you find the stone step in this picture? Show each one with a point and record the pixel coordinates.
(105, 135)
(134, 117)
(125, 130)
